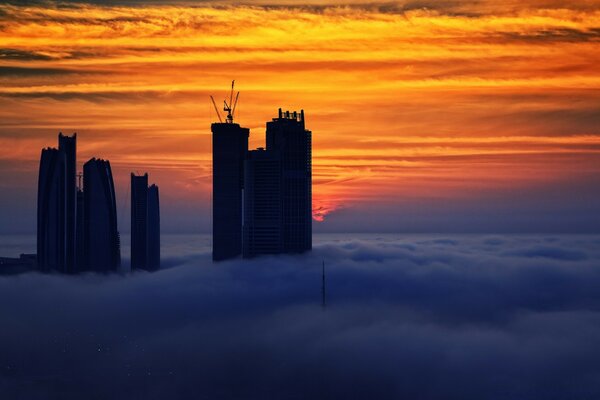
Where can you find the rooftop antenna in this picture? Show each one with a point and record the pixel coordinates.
(323, 303)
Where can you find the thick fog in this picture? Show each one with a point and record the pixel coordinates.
(414, 317)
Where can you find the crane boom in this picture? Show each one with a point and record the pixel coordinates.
(235, 104)
(216, 109)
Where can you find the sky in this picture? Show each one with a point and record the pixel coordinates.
(427, 116)
(424, 316)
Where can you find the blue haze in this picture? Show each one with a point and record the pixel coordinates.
(408, 316)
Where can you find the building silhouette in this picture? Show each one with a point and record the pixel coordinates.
(145, 224)
(68, 145)
(263, 225)
(80, 230)
(51, 210)
(139, 220)
(153, 229)
(229, 149)
(101, 237)
(262, 199)
(288, 136)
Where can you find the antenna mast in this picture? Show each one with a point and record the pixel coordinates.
(323, 303)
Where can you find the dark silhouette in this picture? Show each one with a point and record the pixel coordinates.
(145, 224)
(262, 198)
(287, 135)
(14, 266)
(139, 220)
(323, 293)
(51, 240)
(262, 203)
(230, 145)
(80, 228)
(153, 229)
(102, 243)
(277, 190)
(68, 145)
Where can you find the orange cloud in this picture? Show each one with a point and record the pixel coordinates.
(405, 102)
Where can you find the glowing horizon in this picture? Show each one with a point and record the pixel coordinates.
(410, 107)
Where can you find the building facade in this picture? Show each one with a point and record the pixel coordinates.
(153, 228)
(262, 204)
(68, 145)
(145, 224)
(229, 148)
(51, 211)
(287, 135)
(102, 246)
(262, 199)
(139, 221)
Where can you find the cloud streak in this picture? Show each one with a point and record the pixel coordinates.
(367, 75)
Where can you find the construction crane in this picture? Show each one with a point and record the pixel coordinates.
(229, 108)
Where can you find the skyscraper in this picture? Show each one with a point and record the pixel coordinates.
(68, 145)
(80, 231)
(145, 224)
(102, 242)
(153, 228)
(51, 210)
(263, 226)
(230, 145)
(139, 220)
(288, 136)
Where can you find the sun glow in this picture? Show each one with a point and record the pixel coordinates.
(402, 102)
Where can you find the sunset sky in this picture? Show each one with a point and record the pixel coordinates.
(427, 116)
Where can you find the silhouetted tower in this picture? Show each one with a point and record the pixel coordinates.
(68, 145)
(145, 224)
(139, 221)
(80, 230)
(287, 135)
(51, 210)
(102, 242)
(153, 229)
(262, 203)
(229, 148)
(323, 297)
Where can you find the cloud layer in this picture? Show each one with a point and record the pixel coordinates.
(456, 317)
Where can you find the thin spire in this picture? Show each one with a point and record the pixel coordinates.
(323, 302)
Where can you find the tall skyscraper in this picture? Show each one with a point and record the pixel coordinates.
(68, 145)
(145, 224)
(288, 136)
(51, 210)
(153, 228)
(80, 232)
(230, 145)
(139, 220)
(263, 226)
(102, 242)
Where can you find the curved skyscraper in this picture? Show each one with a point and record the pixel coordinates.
(51, 209)
(102, 243)
(68, 145)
